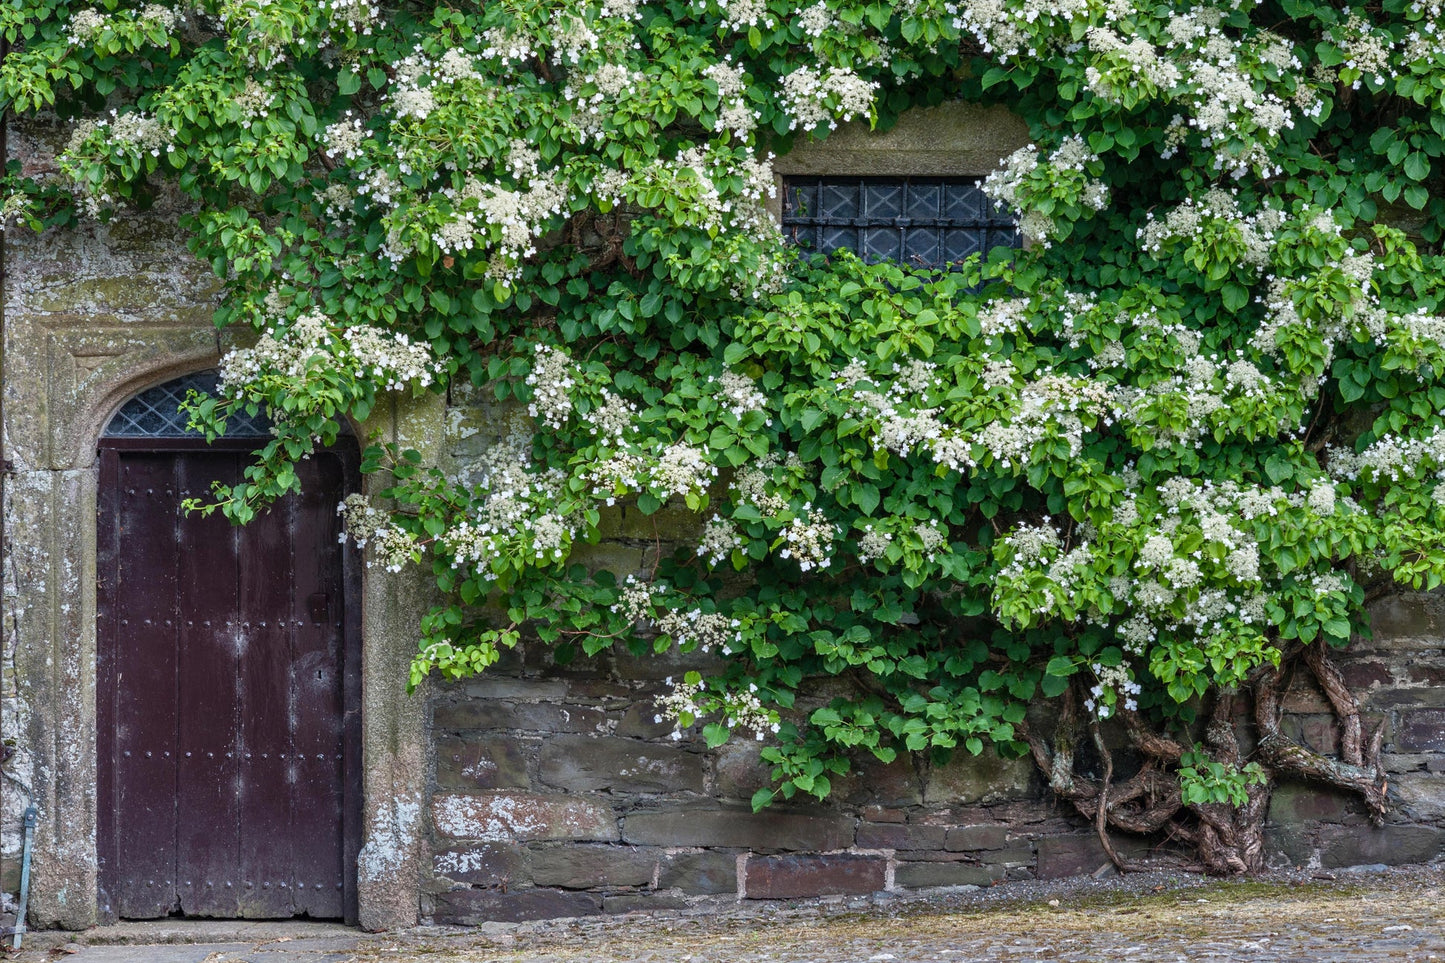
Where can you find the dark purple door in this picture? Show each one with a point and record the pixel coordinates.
(227, 688)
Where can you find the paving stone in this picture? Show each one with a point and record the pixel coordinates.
(766, 830)
(588, 764)
(483, 762)
(793, 877)
(472, 907)
(589, 867)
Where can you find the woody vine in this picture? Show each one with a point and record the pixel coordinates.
(1140, 473)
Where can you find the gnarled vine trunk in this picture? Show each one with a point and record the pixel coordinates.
(1220, 838)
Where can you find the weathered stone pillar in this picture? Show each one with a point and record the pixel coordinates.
(394, 853)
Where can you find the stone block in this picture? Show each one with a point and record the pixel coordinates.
(969, 838)
(701, 874)
(489, 686)
(1421, 797)
(738, 771)
(541, 717)
(590, 867)
(1319, 732)
(637, 723)
(473, 907)
(894, 836)
(767, 830)
(800, 877)
(483, 762)
(1288, 846)
(620, 903)
(987, 777)
(1060, 856)
(870, 781)
(1392, 845)
(919, 875)
(883, 814)
(587, 764)
(1361, 675)
(1407, 616)
(507, 817)
(1293, 803)
(1429, 673)
(1422, 730)
(490, 864)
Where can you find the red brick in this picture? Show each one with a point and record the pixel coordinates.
(797, 877)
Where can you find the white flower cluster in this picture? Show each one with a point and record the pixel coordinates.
(512, 517)
(1366, 51)
(682, 469)
(551, 379)
(388, 359)
(391, 546)
(740, 394)
(672, 470)
(86, 24)
(708, 631)
(873, 544)
(1125, 63)
(1010, 30)
(720, 539)
(1392, 458)
(734, 114)
(1222, 95)
(813, 97)
(1013, 186)
(743, 710)
(1215, 215)
(253, 102)
(611, 419)
(636, 600)
(1049, 407)
(809, 540)
(753, 484)
(681, 706)
(344, 138)
(1119, 679)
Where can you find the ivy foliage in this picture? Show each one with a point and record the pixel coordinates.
(1184, 430)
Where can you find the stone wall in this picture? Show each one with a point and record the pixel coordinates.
(544, 790)
(555, 792)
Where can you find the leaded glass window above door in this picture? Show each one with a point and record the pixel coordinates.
(156, 412)
(920, 221)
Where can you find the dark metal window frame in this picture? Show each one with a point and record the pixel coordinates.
(155, 413)
(921, 221)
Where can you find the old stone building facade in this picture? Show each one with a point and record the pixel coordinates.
(537, 789)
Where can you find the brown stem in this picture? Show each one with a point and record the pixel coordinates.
(1346, 706)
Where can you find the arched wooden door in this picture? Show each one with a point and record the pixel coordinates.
(228, 682)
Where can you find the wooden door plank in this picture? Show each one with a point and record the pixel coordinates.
(211, 636)
(318, 789)
(143, 764)
(267, 839)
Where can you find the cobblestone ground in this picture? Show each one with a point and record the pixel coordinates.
(1352, 918)
(1324, 917)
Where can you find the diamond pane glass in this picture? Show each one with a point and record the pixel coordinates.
(921, 221)
(155, 413)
